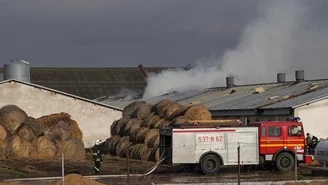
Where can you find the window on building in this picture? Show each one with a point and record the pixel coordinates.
(274, 131)
(295, 131)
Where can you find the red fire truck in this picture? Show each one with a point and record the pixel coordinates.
(208, 145)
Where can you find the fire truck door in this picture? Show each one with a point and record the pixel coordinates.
(263, 140)
(274, 140)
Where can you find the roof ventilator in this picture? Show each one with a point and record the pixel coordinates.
(281, 78)
(230, 81)
(299, 76)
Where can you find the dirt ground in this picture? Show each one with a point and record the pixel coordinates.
(11, 169)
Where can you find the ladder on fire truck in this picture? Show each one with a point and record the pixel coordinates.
(210, 123)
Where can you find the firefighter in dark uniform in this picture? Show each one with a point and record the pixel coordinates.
(97, 158)
(311, 142)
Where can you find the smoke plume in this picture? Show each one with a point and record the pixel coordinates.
(286, 36)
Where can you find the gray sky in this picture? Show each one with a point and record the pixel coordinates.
(120, 33)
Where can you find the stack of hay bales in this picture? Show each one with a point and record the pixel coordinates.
(47, 137)
(137, 132)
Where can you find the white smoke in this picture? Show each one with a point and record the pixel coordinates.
(286, 36)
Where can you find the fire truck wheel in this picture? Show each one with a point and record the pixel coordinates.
(210, 164)
(285, 162)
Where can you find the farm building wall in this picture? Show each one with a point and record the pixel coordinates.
(94, 120)
(249, 119)
(314, 118)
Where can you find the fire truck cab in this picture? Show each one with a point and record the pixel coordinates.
(208, 145)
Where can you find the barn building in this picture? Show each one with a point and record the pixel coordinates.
(307, 99)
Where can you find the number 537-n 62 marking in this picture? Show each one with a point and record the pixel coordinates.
(209, 139)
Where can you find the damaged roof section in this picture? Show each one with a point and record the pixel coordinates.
(245, 97)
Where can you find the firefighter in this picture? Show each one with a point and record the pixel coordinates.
(97, 158)
(311, 142)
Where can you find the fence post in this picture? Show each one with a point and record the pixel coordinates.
(295, 151)
(238, 151)
(63, 172)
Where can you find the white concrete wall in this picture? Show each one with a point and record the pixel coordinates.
(94, 120)
(315, 118)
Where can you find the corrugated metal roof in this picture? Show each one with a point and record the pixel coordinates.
(275, 95)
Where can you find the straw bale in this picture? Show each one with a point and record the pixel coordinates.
(4, 135)
(122, 148)
(113, 128)
(53, 119)
(26, 133)
(145, 154)
(60, 131)
(111, 143)
(142, 112)
(129, 109)
(173, 110)
(141, 135)
(118, 128)
(151, 119)
(132, 125)
(137, 150)
(162, 123)
(181, 120)
(12, 117)
(2, 150)
(153, 142)
(161, 106)
(151, 137)
(73, 149)
(33, 124)
(44, 147)
(134, 134)
(154, 155)
(198, 112)
(73, 179)
(18, 148)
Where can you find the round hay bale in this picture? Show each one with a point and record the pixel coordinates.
(60, 131)
(137, 150)
(164, 123)
(33, 124)
(151, 119)
(110, 143)
(198, 112)
(129, 109)
(153, 124)
(141, 135)
(132, 125)
(44, 148)
(155, 154)
(180, 120)
(73, 149)
(159, 107)
(174, 110)
(151, 136)
(145, 154)
(120, 125)
(52, 119)
(142, 112)
(12, 117)
(4, 134)
(122, 148)
(2, 150)
(113, 128)
(18, 148)
(153, 142)
(26, 133)
(77, 132)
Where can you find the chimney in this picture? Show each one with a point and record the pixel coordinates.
(143, 71)
(230, 81)
(299, 76)
(281, 77)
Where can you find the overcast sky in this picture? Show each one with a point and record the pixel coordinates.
(120, 33)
